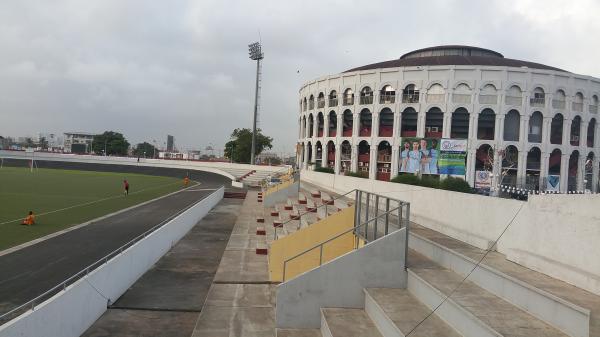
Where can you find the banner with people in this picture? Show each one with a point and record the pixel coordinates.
(453, 153)
(419, 155)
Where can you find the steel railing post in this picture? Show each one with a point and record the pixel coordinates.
(387, 215)
(376, 204)
(357, 211)
(406, 239)
(321, 256)
(283, 276)
(367, 215)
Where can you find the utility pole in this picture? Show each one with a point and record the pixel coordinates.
(255, 50)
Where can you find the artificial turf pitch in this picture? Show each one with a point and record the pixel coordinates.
(68, 197)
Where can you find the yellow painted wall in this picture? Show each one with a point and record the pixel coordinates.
(278, 187)
(308, 237)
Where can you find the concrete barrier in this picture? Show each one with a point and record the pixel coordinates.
(72, 311)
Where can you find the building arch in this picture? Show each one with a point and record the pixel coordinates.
(384, 161)
(364, 157)
(409, 123)
(366, 95)
(330, 157)
(556, 129)
(575, 133)
(536, 124)
(533, 168)
(348, 123)
(459, 126)
(591, 132)
(387, 95)
(365, 123)
(348, 97)
(486, 124)
(512, 126)
(434, 123)
(332, 127)
(386, 123)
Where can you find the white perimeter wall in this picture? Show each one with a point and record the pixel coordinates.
(72, 311)
(555, 234)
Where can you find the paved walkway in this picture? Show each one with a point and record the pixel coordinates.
(33, 270)
(167, 299)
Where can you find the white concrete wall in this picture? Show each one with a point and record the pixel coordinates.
(340, 282)
(72, 311)
(557, 235)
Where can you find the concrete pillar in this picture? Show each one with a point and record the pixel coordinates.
(595, 175)
(397, 122)
(340, 125)
(395, 160)
(546, 126)
(374, 125)
(447, 125)
(373, 162)
(523, 130)
(305, 166)
(473, 124)
(496, 171)
(564, 172)
(581, 171)
(355, 124)
(566, 136)
(470, 169)
(544, 162)
(583, 137)
(597, 135)
(354, 158)
(421, 118)
(338, 158)
(326, 125)
(522, 168)
(314, 155)
(499, 128)
(315, 126)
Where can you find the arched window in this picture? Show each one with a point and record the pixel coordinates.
(304, 127)
(332, 129)
(434, 123)
(488, 95)
(435, 94)
(575, 131)
(365, 123)
(366, 96)
(578, 102)
(591, 132)
(484, 158)
(512, 124)
(310, 154)
(556, 129)
(348, 97)
(486, 124)
(330, 154)
(321, 101)
(320, 122)
(364, 157)
(559, 101)
(409, 123)
(459, 127)
(535, 127)
(384, 161)
(319, 156)
(348, 121)
(534, 160)
(510, 162)
(386, 123)
(311, 102)
(594, 105)
(554, 162)
(410, 94)
(589, 169)
(462, 94)
(311, 125)
(304, 104)
(573, 168)
(387, 95)
(345, 156)
(514, 96)
(333, 100)
(538, 99)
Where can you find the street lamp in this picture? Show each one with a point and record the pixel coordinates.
(256, 54)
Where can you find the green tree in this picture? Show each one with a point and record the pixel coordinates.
(145, 149)
(113, 142)
(239, 147)
(43, 143)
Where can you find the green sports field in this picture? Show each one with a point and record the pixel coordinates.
(63, 198)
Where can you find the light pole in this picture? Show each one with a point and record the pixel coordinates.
(256, 54)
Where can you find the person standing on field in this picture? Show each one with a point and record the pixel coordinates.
(29, 220)
(126, 186)
(186, 181)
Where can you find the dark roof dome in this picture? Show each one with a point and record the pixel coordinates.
(454, 55)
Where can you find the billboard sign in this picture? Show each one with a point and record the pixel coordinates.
(452, 156)
(553, 183)
(483, 180)
(419, 155)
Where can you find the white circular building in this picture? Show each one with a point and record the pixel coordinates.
(525, 123)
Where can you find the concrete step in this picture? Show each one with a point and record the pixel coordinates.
(298, 333)
(554, 310)
(302, 198)
(326, 198)
(396, 313)
(471, 310)
(343, 322)
(315, 193)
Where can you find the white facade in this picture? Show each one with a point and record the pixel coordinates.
(78, 138)
(504, 107)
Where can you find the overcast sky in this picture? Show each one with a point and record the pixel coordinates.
(148, 68)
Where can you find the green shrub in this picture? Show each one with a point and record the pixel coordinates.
(408, 179)
(455, 184)
(449, 184)
(324, 170)
(357, 174)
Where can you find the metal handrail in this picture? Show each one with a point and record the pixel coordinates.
(353, 229)
(301, 214)
(84, 272)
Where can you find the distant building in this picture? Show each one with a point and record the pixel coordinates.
(172, 155)
(53, 141)
(170, 143)
(78, 142)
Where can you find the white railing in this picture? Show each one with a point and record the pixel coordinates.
(410, 98)
(333, 102)
(539, 102)
(366, 99)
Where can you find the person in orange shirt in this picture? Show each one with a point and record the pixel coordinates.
(29, 220)
(186, 181)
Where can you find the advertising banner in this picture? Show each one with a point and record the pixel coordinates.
(419, 155)
(553, 183)
(483, 180)
(452, 156)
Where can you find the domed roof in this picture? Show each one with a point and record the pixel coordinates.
(454, 55)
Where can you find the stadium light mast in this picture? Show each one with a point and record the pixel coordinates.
(256, 54)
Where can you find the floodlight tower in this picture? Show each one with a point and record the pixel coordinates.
(256, 54)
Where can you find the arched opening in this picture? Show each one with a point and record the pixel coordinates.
(436, 94)
(310, 126)
(556, 129)
(591, 132)
(434, 123)
(348, 97)
(589, 172)
(300, 128)
(304, 127)
(575, 131)
(488, 95)
(534, 160)
(512, 125)
(386, 123)
(554, 164)
(578, 102)
(321, 101)
(409, 123)
(332, 124)
(310, 153)
(462, 94)
(348, 120)
(484, 158)
(384, 161)
(538, 99)
(535, 127)
(514, 96)
(573, 167)
(459, 128)
(333, 100)
(320, 124)
(387, 95)
(330, 154)
(304, 104)
(345, 156)
(302, 154)
(364, 157)
(311, 102)
(510, 162)
(559, 101)
(319, 155)
(366, 95)
(486, 124)
(410, 94)
(594, 105)
(365, 123)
